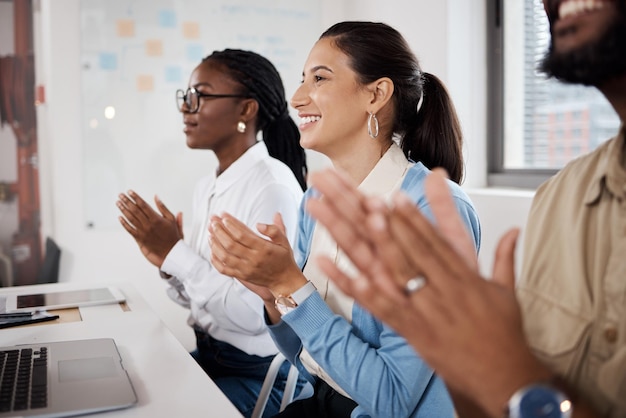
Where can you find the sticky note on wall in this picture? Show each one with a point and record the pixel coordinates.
(107, 61)
(145, 82)
(125, 28)
(173, 74)
(195, 52)
(191, 30)
(167, 18)
(154, 47)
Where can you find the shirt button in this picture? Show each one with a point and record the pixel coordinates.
(610, 335)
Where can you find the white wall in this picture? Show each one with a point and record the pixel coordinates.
(447, 35)
(499, 211)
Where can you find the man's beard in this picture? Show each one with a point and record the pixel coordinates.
(591, 64)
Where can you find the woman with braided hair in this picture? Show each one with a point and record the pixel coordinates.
(232, 96)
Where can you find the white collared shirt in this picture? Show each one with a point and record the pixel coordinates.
(252, 189)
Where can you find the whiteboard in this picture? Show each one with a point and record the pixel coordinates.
(134, 55)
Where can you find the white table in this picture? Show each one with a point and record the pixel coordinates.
(167, 380)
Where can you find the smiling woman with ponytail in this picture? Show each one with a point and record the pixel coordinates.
(367, 105)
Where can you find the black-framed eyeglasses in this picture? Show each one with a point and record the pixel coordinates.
(191, 99)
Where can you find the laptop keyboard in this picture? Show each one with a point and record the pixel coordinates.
(23, 379)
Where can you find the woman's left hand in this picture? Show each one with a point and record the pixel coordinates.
(265, 261)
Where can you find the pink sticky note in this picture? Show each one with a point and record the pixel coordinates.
(145, 82)
(191, 30)
(125, 28)
(154, 47)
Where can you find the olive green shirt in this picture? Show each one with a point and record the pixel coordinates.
(573, 284)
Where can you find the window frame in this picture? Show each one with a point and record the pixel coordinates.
(497, 174)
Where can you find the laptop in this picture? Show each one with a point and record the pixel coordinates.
(60, 379)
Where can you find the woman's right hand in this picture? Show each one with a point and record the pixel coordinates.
(263, 261)
(155, 233)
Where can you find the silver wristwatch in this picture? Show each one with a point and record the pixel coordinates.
(539, 401)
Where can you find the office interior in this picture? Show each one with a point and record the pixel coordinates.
(448, 36)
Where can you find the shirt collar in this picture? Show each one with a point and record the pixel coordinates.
(387, 174)
(241, 166)
(610, 172)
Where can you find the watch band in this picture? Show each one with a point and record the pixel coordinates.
(285, 304)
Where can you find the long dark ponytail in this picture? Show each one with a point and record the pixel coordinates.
(433, 135)
(262, 82)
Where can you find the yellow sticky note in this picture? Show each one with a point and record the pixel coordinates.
(154, 47)
(191, 30)
(125, 28)
(145, 82)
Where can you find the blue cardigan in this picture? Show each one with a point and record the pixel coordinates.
(378, 369)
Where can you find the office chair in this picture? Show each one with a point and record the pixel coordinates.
(268, 384)
(49, 271)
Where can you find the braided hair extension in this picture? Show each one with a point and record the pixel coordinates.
(262, 82)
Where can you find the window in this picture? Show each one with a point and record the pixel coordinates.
(536, 124)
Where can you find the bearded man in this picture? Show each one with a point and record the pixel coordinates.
(554, 347)
(573, 287)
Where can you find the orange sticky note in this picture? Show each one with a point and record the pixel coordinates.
(145, 82)
(154, 48)
(191, 30)
(125, 28)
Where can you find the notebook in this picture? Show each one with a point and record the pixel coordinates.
(65, 379)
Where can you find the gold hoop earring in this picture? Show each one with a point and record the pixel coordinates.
(373, 133)
(241, 127)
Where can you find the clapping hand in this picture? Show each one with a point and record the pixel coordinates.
(155, 232)
(261, 261)
(468, 328)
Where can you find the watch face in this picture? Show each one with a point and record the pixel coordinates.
(286, 301)
(543, 402)
(285, 304)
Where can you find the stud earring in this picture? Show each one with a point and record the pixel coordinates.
(241, 127)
